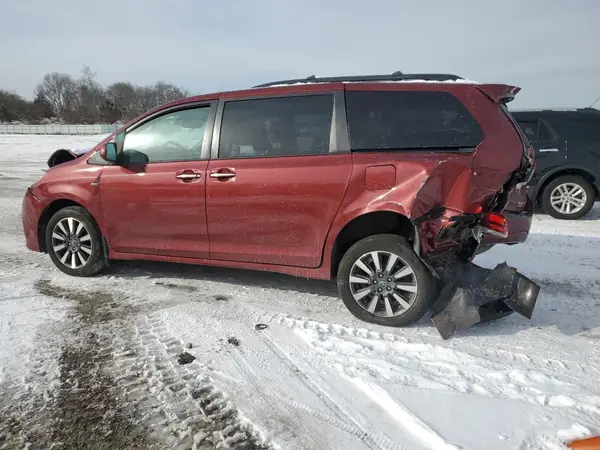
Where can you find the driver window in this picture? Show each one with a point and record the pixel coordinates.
(175, 136)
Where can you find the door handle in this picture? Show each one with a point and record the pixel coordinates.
(222, 175)
(188, 176)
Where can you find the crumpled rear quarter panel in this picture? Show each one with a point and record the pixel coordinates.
(428, 178)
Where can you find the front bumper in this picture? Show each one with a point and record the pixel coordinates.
(31, 211)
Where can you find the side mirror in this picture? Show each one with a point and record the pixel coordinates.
(109, 152)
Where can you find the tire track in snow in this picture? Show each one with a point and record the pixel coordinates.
(279, 395)
(405, 419)
(567, 370)
(536, 378)
(560, 361)
(544, 361)
(370, 439)
(498, 354)
(293, 416)
(541, 369)
(178, 404)
(431, 367)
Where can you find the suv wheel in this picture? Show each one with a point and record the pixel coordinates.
(74, 242)
(568, 197)
(381, 280)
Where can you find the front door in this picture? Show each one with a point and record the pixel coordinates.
(273, 187)
(153, 199)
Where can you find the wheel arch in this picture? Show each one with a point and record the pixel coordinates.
(565, 170)
(368, 224)
(47, 214)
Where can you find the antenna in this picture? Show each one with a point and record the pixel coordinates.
(595, 101)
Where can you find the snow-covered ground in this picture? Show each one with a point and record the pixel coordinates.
(97, 359)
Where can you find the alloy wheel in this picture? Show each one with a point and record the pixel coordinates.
(72, 243)
(383, 284)
(568, 198)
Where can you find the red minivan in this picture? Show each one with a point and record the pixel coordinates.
(377, 181)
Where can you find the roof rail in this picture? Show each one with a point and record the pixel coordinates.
(557, 109)
(396, 76)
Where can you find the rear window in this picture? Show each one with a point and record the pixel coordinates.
(409, 120)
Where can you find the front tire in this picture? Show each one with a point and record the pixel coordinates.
(381, 280)
(568, 197)
(74, 242)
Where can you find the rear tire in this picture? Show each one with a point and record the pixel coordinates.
(74, 242)
(571, 190)
(405, 282)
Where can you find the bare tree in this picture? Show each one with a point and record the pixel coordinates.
(121, 97)
(132, 101)
(42, 108)
(84, 100)
(145, 99)
(166, 93)
(89, 98)
(58, 90)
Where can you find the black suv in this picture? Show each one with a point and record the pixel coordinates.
(566, 182)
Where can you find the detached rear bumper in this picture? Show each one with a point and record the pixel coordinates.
(31, 211)
(475, 294)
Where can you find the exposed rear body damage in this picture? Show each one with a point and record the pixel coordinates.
(460, 199)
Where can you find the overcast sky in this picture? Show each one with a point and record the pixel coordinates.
(550, 48)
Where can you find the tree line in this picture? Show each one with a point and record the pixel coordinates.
(61, 97)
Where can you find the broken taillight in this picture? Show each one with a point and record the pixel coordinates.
(495, 224)
(474, 208)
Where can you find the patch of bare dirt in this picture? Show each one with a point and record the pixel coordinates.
(86, 411)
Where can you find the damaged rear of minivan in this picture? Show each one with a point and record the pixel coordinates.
(390, 184)
(462, 166)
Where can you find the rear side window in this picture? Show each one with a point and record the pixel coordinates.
(535, 130)
(529, 128)
(275, 127)
(410, 120)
